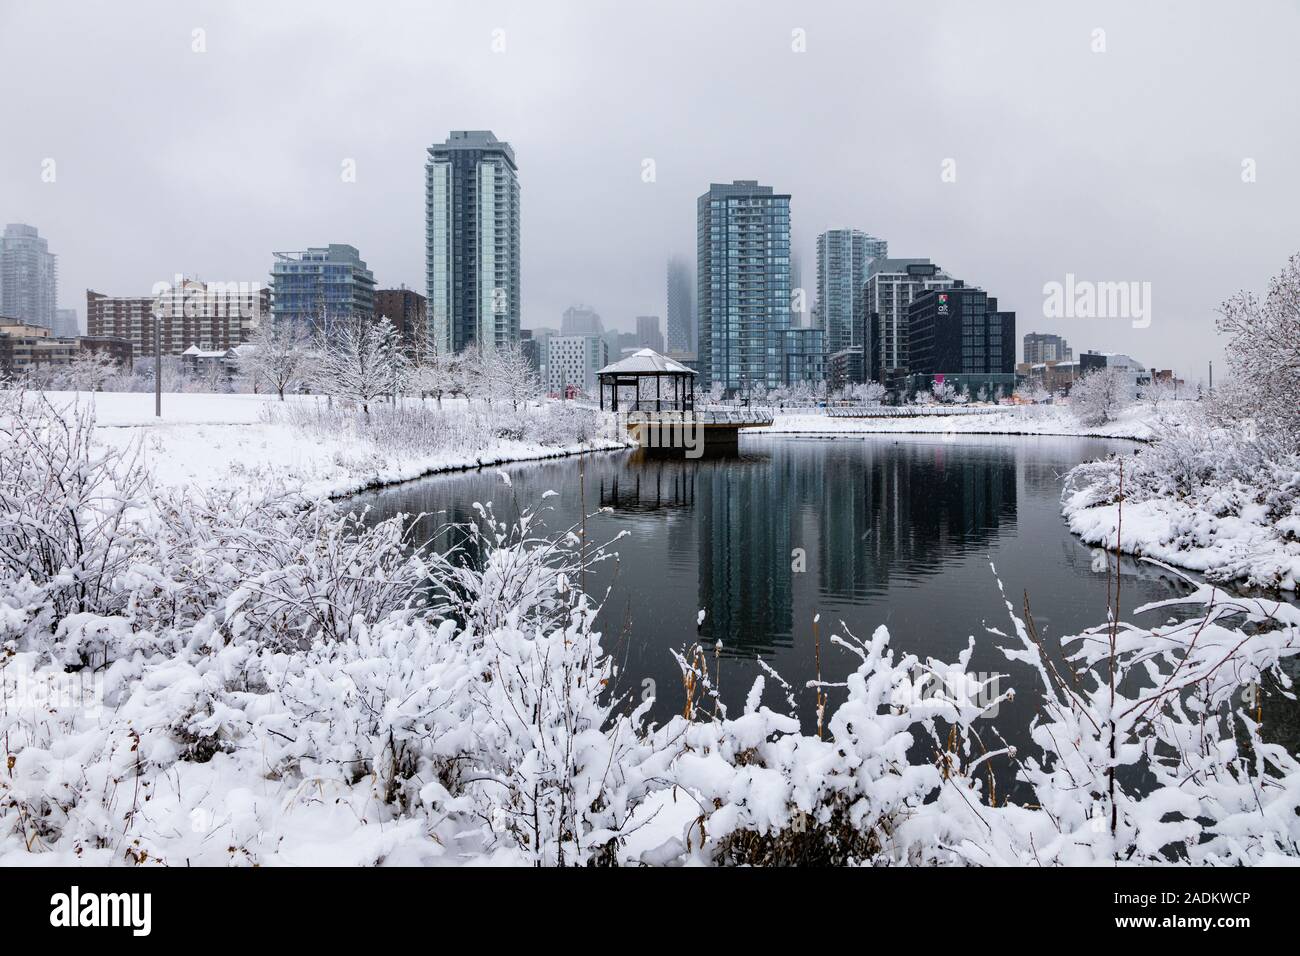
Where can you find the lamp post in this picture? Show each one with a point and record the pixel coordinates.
(157, 354)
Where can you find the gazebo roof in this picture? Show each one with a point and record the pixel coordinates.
(646, 362)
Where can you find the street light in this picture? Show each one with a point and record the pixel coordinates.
(157, 354)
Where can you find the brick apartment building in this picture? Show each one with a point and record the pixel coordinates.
(209, 316)
(408, 311)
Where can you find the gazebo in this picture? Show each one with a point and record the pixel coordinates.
(674, 384)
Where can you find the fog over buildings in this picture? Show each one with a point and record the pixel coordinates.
(998, 142)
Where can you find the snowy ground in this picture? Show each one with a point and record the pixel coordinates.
(1134, 423)
(208, 440)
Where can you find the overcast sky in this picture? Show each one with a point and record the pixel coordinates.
(1122, 165)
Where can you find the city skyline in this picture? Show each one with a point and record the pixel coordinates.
(1023, 210)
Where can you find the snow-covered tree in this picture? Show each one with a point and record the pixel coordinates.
(1263, 354)
(1100, 396)
(361, 362)
(90, 371)
(944, 393)
(508, 375)
(1033, 393)
(1155, 393)
(432, 374)
(277, 353)
(800, 393)
(867, 393)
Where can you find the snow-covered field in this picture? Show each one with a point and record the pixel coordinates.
(247, 441)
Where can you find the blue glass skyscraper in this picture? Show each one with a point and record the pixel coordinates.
(743, 286)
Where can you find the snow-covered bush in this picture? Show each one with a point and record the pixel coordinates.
(510, 575)
(66, 506)
(1148, 753)
(565, 424)
(1100, 396)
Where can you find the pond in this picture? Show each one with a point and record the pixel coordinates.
(859, 531)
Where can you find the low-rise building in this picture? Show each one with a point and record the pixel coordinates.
(25, 347)
(206, 363)
(1053, 377)
(1134, 372)
(573, 361)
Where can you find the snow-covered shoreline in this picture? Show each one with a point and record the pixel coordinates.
(1134, 424)
(1187, 505)
(244, 441)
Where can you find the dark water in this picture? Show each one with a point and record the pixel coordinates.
(894, 530)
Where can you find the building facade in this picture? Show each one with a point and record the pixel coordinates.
(472, 241)
(25, 348)
(66, 323)
(844, 368)
(743, 286)
(891, 286)
(1046, 347)
(29, 276)
(408, 311)
(541, 338)
(648, 335)
(681, 306)
(1134, 373)
(209, 316)
(1056, 378)
(530, 349)
(959, 336)
(803, 352)
(581, 320)
(843, 257)
(573, 361)
(320, 286)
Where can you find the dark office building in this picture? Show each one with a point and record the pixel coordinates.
(531, 349)
(959, 334)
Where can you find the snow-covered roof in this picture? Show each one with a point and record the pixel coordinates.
(646, 362)
(197, 352)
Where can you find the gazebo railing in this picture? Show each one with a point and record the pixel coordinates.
(655, 405)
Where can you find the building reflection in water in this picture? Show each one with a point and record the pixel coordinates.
(853, 518)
